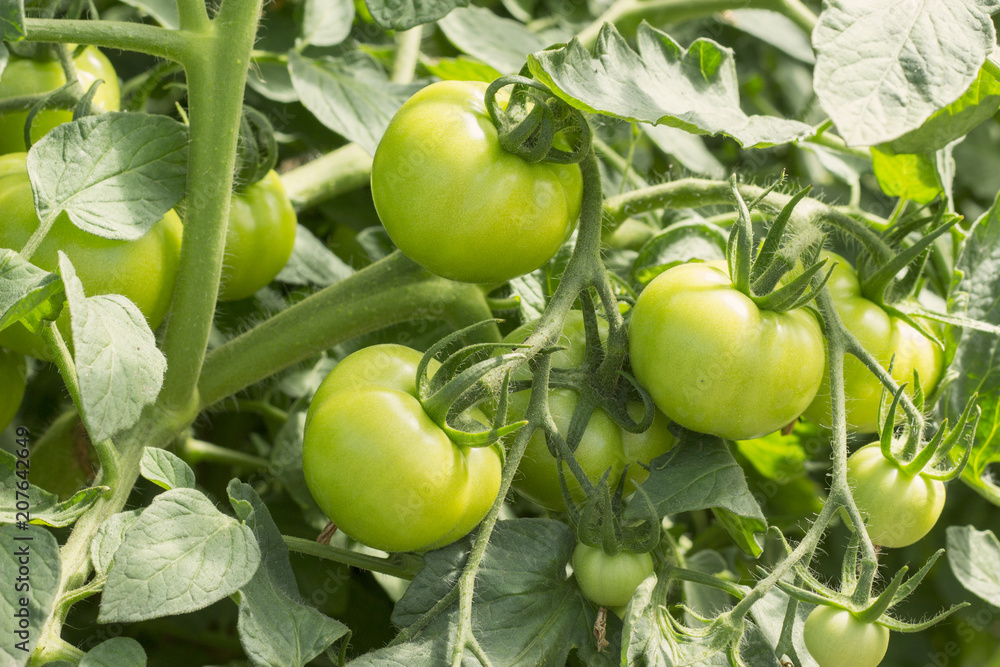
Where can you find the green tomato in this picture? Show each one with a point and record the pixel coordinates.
(381, 469)
(714, 362)
(457, 203)
(12, 379)
(900, 508)
(609, 581)
(835, 638)
(24, 76)
(144, 269)
(883, 335)
(259, 238)
(604, 444)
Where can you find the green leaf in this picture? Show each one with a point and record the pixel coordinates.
(526, 612)
(975, 366)
(686, 148)
(405, 14)
(500, 43)
(974, 557)
(276, 626)
(273, 80)
(312, 263)
(460, 69)
(351, 95)
(977, 104)
(694, 89)
(109, 537)
(776, 29)
(29, 589)
(163, 12)
(678, 244)
(115, 175)
(27, 293)
(917, 57)
(742, 530)
(11, 20)
(117, 652)
(699, 473)
(44, 507)
(166, 469)
(909, 176)
(182, 554)
(119, 367)
(327, 22)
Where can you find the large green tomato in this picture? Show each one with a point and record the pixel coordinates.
(883, 336)
(835, 638)
(604, 444)
(900, 509)
(259, 238)
(12, 379)
(609, 581)
(457, 203)
(144, 270)
(29, 77)
(715, 363)
(381, 469)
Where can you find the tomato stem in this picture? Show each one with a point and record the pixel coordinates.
(404, 566)
(343, 170)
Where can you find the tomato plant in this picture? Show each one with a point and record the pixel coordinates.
(502, 247)
(713, 362)
(454, 201)
(25, 76)
(143, 270)
(888, 338)
(835, 638)
(381, 469)
(901, 508)
(259, 238)
(609, 581)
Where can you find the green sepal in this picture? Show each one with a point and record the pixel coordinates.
(804, 595)
(256, 149)
(739, 249)
(910, 585)
(909, 311)
(761, 273)
(795, 294)
(82, 108)
(902, 626)
(884, 601)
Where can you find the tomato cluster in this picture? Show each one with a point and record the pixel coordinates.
(380, 468)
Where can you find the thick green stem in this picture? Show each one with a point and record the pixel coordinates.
(390, 291)
(170, 44)
(193, 15)
(402, 565)
(216, 75)
(407, 55)
(343, 170)
(696, 192)
(195, 451)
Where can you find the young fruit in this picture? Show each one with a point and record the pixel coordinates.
(835, 638)
(609, 581)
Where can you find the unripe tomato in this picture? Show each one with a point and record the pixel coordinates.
(144, 269)
(604, 445)
(714, 362)
(884, 336)
(259, 238)
(381, 469)
(900, 508)
(24, 76)
(609, 581)
(12, 381)
(457, 203)
(835, 638)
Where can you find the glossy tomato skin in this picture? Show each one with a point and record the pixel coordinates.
(24, 76)
(835, 638)
(457, 203)
(259, 238)
(12, 380)
(381, 469)
(144, 269)
(883, 336)
(604, 445)
(900, 509)
(715, 363)
(609, 581)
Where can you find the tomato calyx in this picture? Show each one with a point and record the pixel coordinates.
(533, 118)
(759, 275)
(256, 149)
